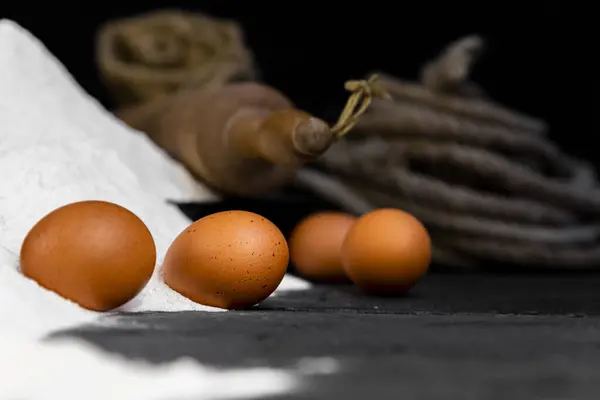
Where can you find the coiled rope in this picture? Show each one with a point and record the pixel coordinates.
(487, 181)
(159, 52)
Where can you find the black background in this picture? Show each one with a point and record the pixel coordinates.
(539, 56)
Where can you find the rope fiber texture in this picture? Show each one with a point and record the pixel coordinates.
(159, 52)
(486, 181)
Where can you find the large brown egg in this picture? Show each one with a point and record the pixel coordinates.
(95, 253)
(386, 252)
(231, 259)
(316, 246)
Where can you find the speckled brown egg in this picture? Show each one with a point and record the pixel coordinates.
(386, 251)
(316, 246)
(230, 259)
(95, 253)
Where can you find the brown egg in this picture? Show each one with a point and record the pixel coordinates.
(231, 259)
(386, 251)
(316, 246)
(95, 253)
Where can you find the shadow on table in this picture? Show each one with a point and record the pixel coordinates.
(439, 293)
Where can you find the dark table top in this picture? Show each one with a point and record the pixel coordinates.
(453, 337)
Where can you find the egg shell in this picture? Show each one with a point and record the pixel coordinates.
(386, 252)
(95, 253)
(230, 259)
(316, 246)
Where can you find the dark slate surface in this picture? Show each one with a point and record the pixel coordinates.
(455, 337)
(463, 337)
(552, 294)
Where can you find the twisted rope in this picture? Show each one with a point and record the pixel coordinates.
(362, 94)
(486, 180)
(159, 52)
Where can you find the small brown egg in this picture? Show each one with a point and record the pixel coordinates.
(95, 253)
(386, 251)
(316, 246)
(230, 259)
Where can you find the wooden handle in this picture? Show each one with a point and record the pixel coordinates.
(243, 138)
(286, 137)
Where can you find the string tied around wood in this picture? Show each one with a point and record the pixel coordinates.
(362, 93)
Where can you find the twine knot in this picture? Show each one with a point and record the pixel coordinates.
(362, 94)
